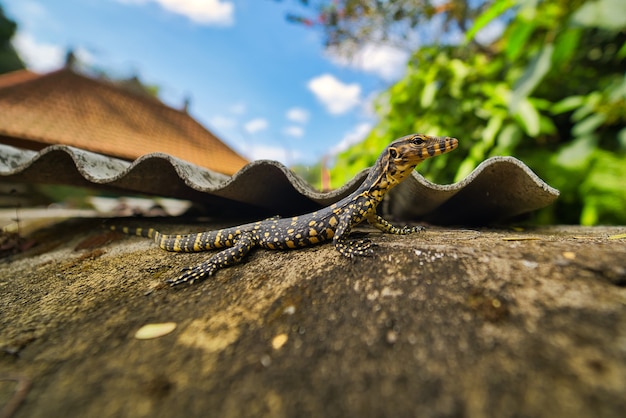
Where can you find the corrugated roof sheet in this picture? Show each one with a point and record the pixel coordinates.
(498, 189)
(64, 107)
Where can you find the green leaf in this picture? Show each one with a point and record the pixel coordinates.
(540, 104)
(588, 125)
(501, 94)
(576, 154)
(565, 46)
(516, 42)
(536, 70)
(618, 90)
(568, 104)
(602, 190)
(399, 94)
(508, 139)
(604, 14)
(492, 128)
(428, 94)
(546, 126)
(591, 102)
(459, 68)
(582, 112)
(529, 117)
(589, 214)
(495, 10)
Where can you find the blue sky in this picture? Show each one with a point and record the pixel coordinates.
(265, 86)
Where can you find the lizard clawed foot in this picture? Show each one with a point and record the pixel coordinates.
(356, 248)
(411, 230)
(192, 274)
(362, 247)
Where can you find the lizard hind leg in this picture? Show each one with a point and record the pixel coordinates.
(385, 226)
(224, 258)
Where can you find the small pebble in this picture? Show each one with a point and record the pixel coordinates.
(150, 331)
(569, 255)
(279, 340)
(530, 264)
(266, 360)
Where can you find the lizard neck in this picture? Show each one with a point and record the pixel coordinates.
(382, 178)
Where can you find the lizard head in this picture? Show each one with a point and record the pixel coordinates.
(400, 158)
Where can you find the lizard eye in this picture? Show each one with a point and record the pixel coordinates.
(418, 140)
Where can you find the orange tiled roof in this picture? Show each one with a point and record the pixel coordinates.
(64, 107)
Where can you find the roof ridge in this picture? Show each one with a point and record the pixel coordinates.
(15, 77)
(73, 108)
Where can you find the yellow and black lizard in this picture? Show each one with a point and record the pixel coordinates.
(334, 222)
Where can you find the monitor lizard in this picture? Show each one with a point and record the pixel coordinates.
(396, 162)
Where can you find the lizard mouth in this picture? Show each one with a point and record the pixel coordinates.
(442, 145)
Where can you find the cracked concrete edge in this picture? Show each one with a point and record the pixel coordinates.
(499, 188)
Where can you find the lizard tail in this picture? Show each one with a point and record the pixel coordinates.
(141, 232)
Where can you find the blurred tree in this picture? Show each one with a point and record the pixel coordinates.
(550, 90)
(138, 86)
(133, 83)
(349, 23)
(9, 59)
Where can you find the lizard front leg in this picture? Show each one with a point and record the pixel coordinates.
(346, 247)
(225, 258)
(382, 224)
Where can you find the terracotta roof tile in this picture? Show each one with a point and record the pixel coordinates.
(16, 77)
(64, 107)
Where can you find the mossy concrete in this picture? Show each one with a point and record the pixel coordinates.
(448, 322)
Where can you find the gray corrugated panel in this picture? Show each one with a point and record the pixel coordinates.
(501, 187)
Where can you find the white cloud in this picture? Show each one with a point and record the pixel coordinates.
(298, 115)
(256, 125)
(39, 56)
(238, 109)
(44, 57)
(336, 96)
(386, 61)
(295, 131)
(206, 12)
(354, 136)
(268, 152)
(222, 122)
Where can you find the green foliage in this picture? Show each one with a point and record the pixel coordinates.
(311, 174)
(349, 23)
(551, 91)
(9, 60)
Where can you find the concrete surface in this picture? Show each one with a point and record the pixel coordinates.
(449, 322)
